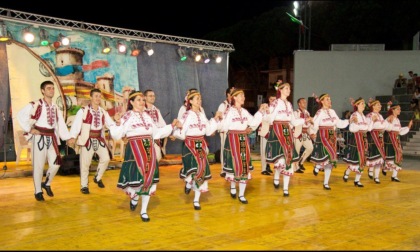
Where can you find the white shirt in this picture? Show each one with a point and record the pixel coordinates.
(195, 124)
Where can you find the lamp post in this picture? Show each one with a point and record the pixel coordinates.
(302, 12)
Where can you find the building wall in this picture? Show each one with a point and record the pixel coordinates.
(345, 74)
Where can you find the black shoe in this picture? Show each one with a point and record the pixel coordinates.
(299, 171)
(302, 167)
(132, 206)
(395, 179)
(315, 172)
(233, 195)
(276, 186)
(85, 190)
(47, 189)
(144, 217)
(244, 201)
(187, 190)
(197, 207)
(223, 174)
(39, 197)
(383, 172)
(267, 168)
(345, 177)
(358, 184)
(286, 193)
(100, 183)
(327, 187)
(377, 181)
(370, 175)
(265, 173)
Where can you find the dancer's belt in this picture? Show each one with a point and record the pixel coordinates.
(237, 132)
(45, 131)
(95, 133)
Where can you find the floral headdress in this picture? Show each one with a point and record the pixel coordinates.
(278, 84)
(372, 102)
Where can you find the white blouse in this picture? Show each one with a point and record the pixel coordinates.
(195, 124)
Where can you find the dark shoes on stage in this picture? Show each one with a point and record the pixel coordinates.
(39, 197)
(223, 174)
(327, 187)
(383, 172)
(233, 195)
(299, 171)
(243, 200)
(286, 193)
(85, 190)
(315, 171)
(265, 173)
(197, 205)
(132, 206)
(99, 182)
(301, 167)
(345, 177)
(267, 168)
(47, 189)
(187, 190)
(376, 181)
(358, 184)
(370, 174)
(276, 185)
(145, 217)
(395, 179)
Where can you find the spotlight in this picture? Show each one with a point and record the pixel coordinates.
(218, 58)
(149, 49)
(181, 53)
(4, 33)
(122, 48)
(206, 57)
(105, 46)
(43, 36)
(28, 36)
(196, 55)
(135, 51)
(65, 41)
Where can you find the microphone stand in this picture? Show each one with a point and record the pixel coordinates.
(4, 141)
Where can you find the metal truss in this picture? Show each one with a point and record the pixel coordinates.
(65, 24)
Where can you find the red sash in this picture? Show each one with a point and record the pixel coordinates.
(198, 146)
(329, 140)
(393, 135)
(379, 141)
(51, 133)
(283, 133)
(145, 156)
(361, 143)
(241, 154)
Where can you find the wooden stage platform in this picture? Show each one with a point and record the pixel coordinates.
(382, 216)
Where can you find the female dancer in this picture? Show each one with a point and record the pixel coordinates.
(280, 149)
(237, 153)
(196, 169)
(393, 149)
(324, 154)
(355, 153)
(140, 171)
(376, 151)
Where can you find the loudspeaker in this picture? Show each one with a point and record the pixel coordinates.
(312, 106)
(10, 153)
(70, 165)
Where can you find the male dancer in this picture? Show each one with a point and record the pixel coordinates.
(88, 127)
(305, 138)
(44, 125)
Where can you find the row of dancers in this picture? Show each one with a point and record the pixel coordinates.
(142, 127)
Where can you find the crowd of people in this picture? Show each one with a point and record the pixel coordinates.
(373, 141)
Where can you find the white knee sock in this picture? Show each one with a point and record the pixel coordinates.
(394, 173)
(242, 187)
(144, 203)
(233, 187)
(286, 180)
(358, 175)
(327, 173)
(377, 169)
(197, 196)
